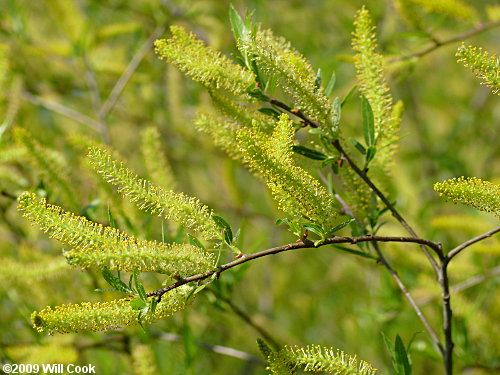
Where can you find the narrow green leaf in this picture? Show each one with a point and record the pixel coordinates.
(401, 357)
(293, 226)
(200, 288)
(370, 153)
(368, 122)
(222, 224)
(358, 145)
(264, 348)
(138, 304)
(355, 252)
(308, 152)
(318, 80)
(130, 287)
(153, 304)
(270, 112)
(258, 94)
(331, 85)
(339, 227)
(336, 111)
(114, 281)
(278, 222)
(139, 287)
(314, 228)
(317, 131)
(195, 242)
(237, 236)
(261, 79)
(237, 24)
(389, 345)
(348, 95)
(111, 219)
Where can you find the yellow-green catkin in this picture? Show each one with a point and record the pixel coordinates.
(315, 358)
(154, 199)
(471, 191)
(452, 8)
(222, 131)
(358, 196)
(203, 63)
(276, 57)
(373, 85)
(484, 66)
(370, 70)
(95, 245)
(297, 192)
(106, 316)
(48, 163)
(158, 168)
(242, 114)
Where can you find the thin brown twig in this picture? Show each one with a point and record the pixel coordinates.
(128, 72)
(437, 44)
(447, 317)
(368, 181)
(309, 121)
(409, 297)
(247, 319)
(439, 269)
(389, 205)
(305, 244)
(454, 252)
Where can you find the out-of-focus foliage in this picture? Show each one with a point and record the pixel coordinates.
(62, 63)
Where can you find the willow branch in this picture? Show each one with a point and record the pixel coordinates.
(128, 72)
(369, 182)
(437, 44)
(389, 205)
(472, 241)
(409, 297)
(294, 111)
(447, 316)
(247, 319)
(305, 244)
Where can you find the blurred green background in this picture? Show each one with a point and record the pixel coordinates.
(71, 68)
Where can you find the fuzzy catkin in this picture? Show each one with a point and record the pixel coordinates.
(105, 316)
